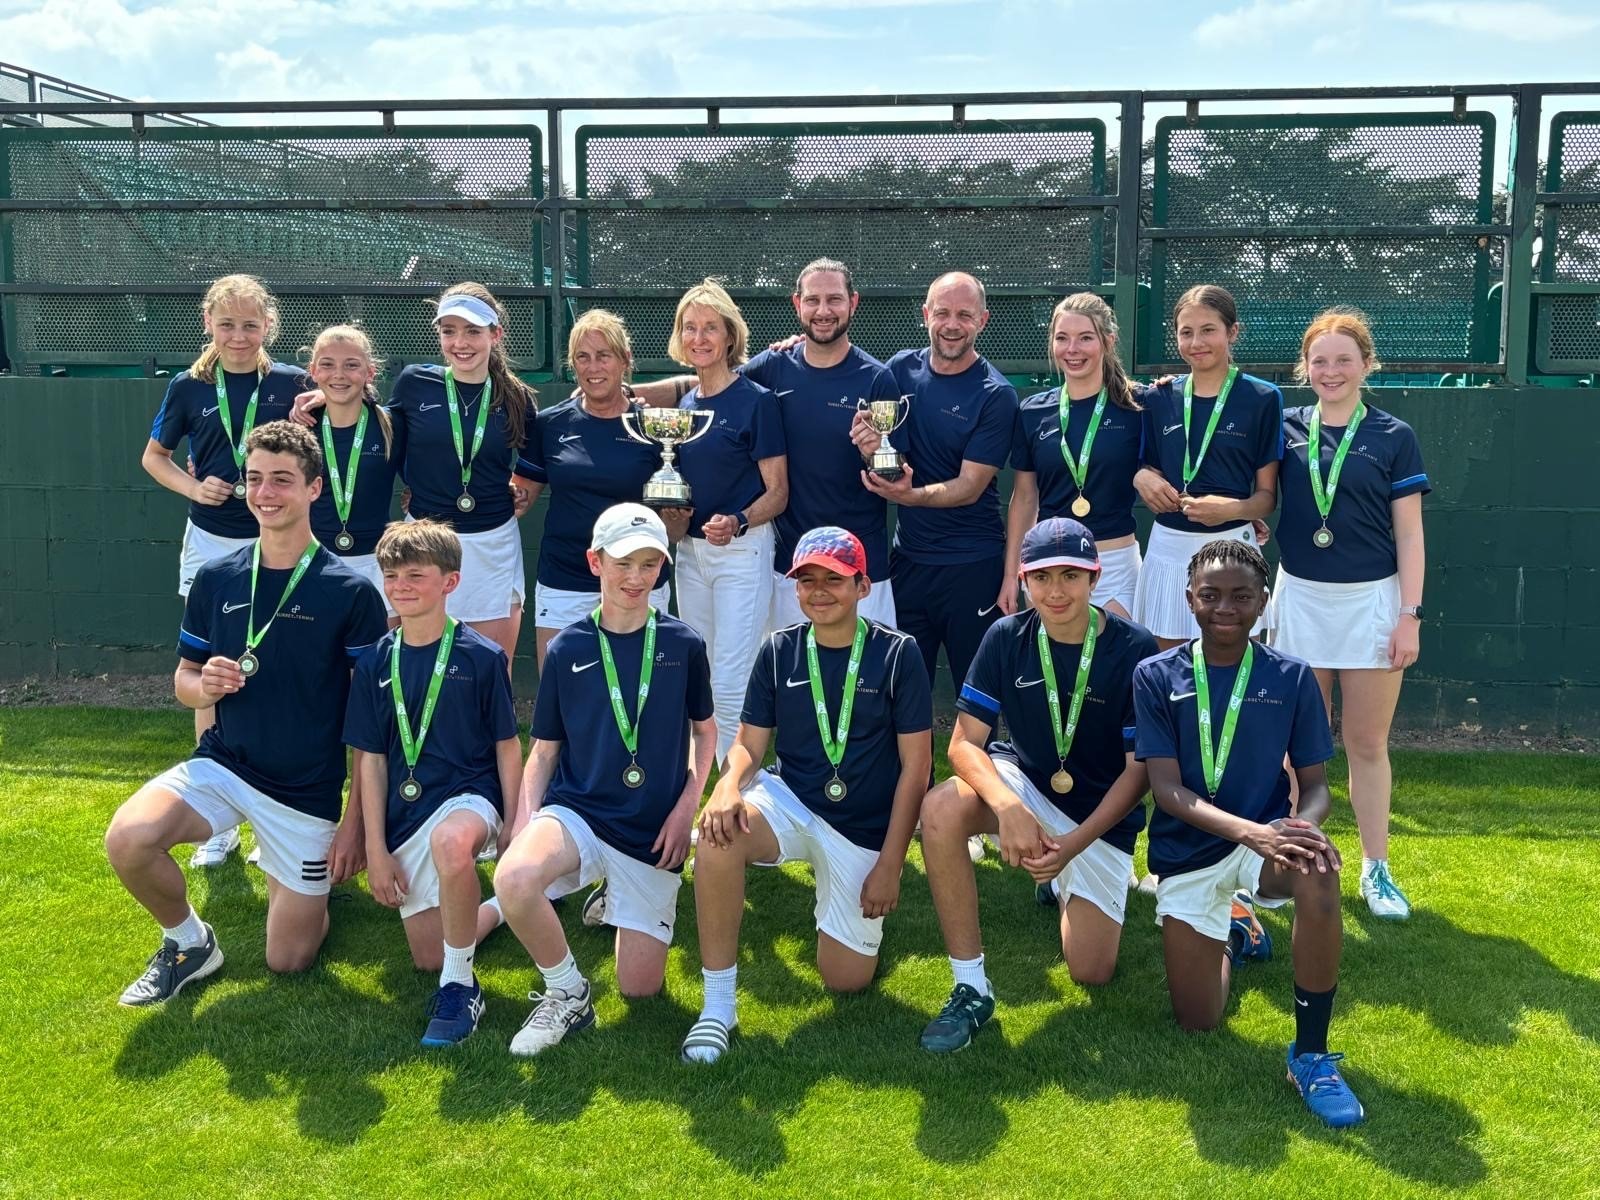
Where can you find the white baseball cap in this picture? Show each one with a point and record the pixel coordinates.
(624, 528)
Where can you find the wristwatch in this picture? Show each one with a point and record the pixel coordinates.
(1411, 610)
(744, 524)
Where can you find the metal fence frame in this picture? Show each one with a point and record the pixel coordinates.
(1517, 234)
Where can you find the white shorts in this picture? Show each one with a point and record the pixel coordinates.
(638, 896)
(878, 606)
(1100, 874)
(1203, 899)
(1119, 576)
(1338, 626)
(199, 548)
(294, 846)
(840, 866)
(415, 854)
(493, 581)
(366, 566)
(1159, 604)
(555, 608)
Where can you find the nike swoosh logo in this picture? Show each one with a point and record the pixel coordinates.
(1301, 1003)
(1297, 445)
(1175, 696)
(206, 412)
(569, 437)
(984, 612)
(228, 608)
(1044, 434)
(428, 407)
(1022, 683)
(585, 666)
(1166, 429)
(785, 392)
(386, 682)
(798, 682)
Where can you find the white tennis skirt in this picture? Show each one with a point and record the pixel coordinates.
(1119, 576)
(366, 566)
(1159, 603)
(492, 577)
(1337, 626)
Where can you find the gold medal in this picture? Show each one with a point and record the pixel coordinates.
(1080, 506)
(1061, 782)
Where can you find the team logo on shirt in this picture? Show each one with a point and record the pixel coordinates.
(206, 412)
(1166, 429)
(231, 608)
(567, 438)
(428, 407)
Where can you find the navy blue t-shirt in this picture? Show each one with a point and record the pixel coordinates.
(189, 410)
(1282, 714)
(1384, 464)
(892, 698)
(280, 731)
(818, 406)
(970, 416)
(1117, 454)
(574, 708)
(373, 502)
(431, 467)
(720, 466)
(1005, 681)
(473, 714)
(587, 463)
(1249, 436)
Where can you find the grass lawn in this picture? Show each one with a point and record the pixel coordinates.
(1471, 1031)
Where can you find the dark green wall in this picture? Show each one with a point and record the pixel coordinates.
(89, 547)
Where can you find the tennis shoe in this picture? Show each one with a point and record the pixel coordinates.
(214, 851)
(594, 907)
(966, 1012)
(1247, 941)
(1383, 896)
(172, 969)
(453, 1014)
(555, 1014)
(1327, 1095)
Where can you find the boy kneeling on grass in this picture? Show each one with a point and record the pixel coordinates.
(433, 728)
(1215, 719)
(622, 741)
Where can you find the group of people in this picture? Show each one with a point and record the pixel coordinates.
(1088, 674)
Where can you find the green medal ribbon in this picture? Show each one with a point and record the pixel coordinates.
(1079, 467)
(226, 415)
(343, 494)
(409, 745)
(1064, 734)
(1191, 470)
(1320, 492)
(628, 729)
(252, 637)
(482, 423)
(833, 744)
(1214, 759)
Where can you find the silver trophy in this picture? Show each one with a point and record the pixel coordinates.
(886, 416)
(668, 428)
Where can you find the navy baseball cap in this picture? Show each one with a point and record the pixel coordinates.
(1059, 542)
(830, 546)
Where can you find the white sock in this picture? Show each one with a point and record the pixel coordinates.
(457, 965)
(970, 972)
(721, 1002)
(188, 933)
(499, 913)
(563, 977)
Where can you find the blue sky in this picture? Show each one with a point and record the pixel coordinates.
(277, 49)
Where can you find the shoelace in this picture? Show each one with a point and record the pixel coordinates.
(1384, 884)
(959, 1003)
(449, 1001)
(1324, 1073)
(547, 1010)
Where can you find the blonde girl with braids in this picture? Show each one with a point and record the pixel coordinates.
(1076, 449)
(232, 387)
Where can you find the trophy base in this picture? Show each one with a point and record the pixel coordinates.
(890, 467)
(660, 498)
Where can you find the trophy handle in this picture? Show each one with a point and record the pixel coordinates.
(695, 414)
(629, 416)
(904, 409)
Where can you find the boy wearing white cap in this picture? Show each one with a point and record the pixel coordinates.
(623, 739)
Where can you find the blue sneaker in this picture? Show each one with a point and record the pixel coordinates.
(1044, 895)
(453, 1014)
(958, 1021)
(171, 969)
(1324, 1090)
(1247, 941)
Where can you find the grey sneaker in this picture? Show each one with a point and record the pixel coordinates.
(214, 851)
(966, 1012)
(555, 1014)
(170, 970)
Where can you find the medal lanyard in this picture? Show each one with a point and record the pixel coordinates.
(1080, 686)
(1190, 471)
(343, 494)
(226, 415)
(1323, 494)
(412, 746)
(628, 729)
(453, 403)
(252, 639)
(833, 744)
(1079, 467)
(1214, 760)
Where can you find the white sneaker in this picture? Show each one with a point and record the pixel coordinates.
(977, 847)
(555, 1014)
(594, 908)
(1383, 896)
(214, 851)
(489, 853)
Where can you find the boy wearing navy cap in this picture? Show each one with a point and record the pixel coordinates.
(1216, 718)
(610, 789)
(849, 701)
(1063, 794)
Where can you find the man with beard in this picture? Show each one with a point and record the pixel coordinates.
(950, 541)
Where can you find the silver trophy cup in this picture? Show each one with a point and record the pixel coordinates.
(887, 416)
(668, 428)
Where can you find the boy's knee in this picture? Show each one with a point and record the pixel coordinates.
(942, 814)
(1094, 974)
(517, 881)
(454, 848)
(290, 960)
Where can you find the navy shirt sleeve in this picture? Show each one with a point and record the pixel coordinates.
(1407, 476)
(911, 699)
(1310, 739)
(767, 440)
(547, 724)
(362, 728)
(172, 420)
(194, 635)
(1155, 736)
(981, 692)
(1269, 431)
(697, 695)
(760, 696)
(991, 441)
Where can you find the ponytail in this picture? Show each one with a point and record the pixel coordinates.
(244, 290)
(1119, 389)
(518, 400)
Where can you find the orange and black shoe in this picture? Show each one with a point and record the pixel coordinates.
(1247, 941)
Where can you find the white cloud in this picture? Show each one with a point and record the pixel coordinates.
(1325, 24)
(1516, 21)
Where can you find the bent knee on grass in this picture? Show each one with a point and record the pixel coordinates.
(844, 970)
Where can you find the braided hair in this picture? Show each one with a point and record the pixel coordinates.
(1228, 553)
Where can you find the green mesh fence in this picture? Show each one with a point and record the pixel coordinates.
(1567, 316)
